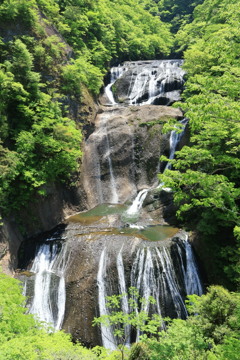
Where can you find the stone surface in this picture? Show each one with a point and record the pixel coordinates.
(157, 82)
(128, 140)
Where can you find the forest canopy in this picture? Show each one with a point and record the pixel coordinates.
(206, 173)
(40, 76)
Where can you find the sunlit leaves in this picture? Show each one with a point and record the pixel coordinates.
(122, 322)
(22, 337)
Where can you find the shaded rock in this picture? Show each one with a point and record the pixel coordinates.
(159, 203)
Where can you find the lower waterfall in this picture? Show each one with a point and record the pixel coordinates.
(168, 273)
(47, 280)
(117, 244)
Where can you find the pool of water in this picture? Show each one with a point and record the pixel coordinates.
(153, 232)
(97, 213)
(102, 212)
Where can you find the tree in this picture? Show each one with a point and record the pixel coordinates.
(122, 322)
(211, 330)
(205, 175)
(23, 337)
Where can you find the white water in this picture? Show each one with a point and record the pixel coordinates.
(139, 86)
(108, 340)
(123, 291)
(97, 156)
(114, 199)
(154, 81)
(175, 137)
(157, 273)
(137, 203)
(192, 281)
(116, 73)
(49, 266)
(174, 140)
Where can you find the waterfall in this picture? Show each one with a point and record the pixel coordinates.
(189, 270)
(106, 332)
(174, 140)
(98, 159)
(49, 296)
(115, 73)
(114, 199)
(151, 82)
(139, 86)
(166, 270)
(166, 273)
(137, 203)
(123, 291)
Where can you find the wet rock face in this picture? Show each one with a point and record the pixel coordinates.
(157, 82)
(82, 300)
(159, 204)
(81, 285)
(122, 155)
(100, 239)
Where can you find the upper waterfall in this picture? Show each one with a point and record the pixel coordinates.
(121, 156)
(157, 82)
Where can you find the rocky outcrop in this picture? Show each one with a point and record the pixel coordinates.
(86, 237)
(122, 156)
(157, 82)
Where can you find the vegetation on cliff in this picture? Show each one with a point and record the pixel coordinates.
(40, 76)
(211, 334)
(206, 173)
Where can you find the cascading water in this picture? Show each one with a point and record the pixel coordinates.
(166, 270)
(115, 73)
(98, 155)
(174, 140)
(49, 295)
(157, 82)
(154, 272)
(106, 332)
(167, 273)
(137, 203)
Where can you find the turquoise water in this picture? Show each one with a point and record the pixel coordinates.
(101, 212)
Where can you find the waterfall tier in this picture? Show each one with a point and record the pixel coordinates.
(113, 246)
(157, 82)
(122, 156)
(105, 257)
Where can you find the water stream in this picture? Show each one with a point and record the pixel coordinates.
(47, 301)
(157, 266)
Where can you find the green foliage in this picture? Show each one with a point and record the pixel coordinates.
(122, 322)
(80, 71)
(22, 337)
(38, 143)
(110, 29)
(211, 330)
(205, 180)
(175, 12)
(13, 10)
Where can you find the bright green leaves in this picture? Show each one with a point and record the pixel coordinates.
(212, 327)
(206, 177)
(81, 72)
(202, 196)
(22, 337)
(123, 322)
(112, 30)
(49, 151)
(218, 312)
(39, 145)
(10, 10)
